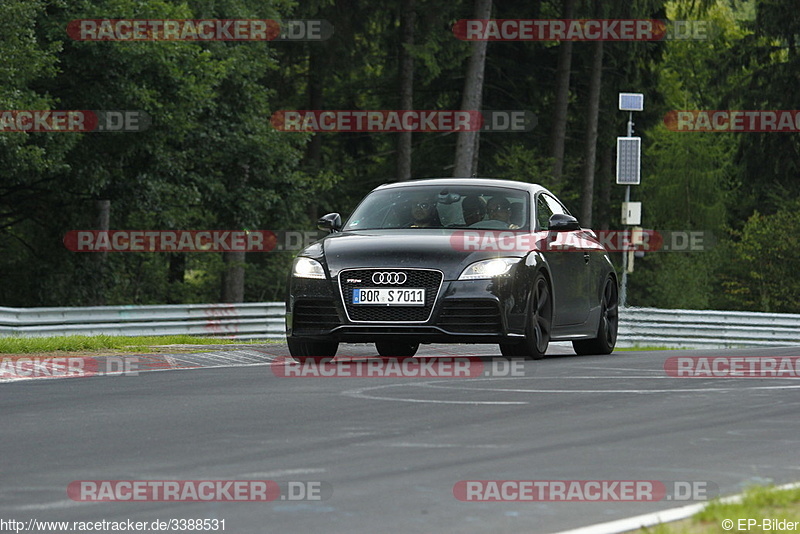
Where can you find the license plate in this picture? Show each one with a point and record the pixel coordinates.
(389, 297)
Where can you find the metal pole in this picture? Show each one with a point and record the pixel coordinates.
(623, 290)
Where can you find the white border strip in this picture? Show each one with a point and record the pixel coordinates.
(665, 516)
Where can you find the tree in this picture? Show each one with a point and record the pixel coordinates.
(467, 141)
(209, 160)
(593, 115)
(688, 177)
(763, 274)
(761, 71)
(563, 71)
(406, 73)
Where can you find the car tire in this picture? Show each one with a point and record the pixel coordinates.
(512, 350)
(389, 349)
(609, 324)
(303, 350)
(539, 320)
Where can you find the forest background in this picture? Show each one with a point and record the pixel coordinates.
(212, 160)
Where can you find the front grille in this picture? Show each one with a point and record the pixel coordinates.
(470, 316)
(314, 316)
(428, 279)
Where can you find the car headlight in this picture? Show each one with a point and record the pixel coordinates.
(307, 268)
(485, 269)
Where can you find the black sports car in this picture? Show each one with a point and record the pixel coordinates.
(453, 261)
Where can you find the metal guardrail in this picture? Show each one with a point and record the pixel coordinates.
(239, 321)
(706, 329)
(265, 320)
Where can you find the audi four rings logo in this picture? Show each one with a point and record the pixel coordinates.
(389, 278)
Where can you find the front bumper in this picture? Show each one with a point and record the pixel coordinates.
(467, 311)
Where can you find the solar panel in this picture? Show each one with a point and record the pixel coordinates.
(631, 101)
(629, 160)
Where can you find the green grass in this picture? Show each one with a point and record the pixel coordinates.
(29, 345)
(759, 503)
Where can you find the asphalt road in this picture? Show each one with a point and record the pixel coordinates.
(387, 452)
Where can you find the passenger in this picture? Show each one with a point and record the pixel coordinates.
(474, 209)
(423, 212)
(516, 219)
(499, 209)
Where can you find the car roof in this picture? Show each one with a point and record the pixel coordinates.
(486, 182)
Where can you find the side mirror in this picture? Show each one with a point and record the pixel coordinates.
(331, 222)
(561, 222)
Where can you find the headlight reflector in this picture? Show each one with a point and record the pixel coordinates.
(491, 268)
(307, 268)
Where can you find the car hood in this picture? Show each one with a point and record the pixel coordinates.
(422, 248)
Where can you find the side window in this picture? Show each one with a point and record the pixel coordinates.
(555, 205)
(543, 212)
(546, 206)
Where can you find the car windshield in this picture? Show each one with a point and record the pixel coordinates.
(468, 206)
